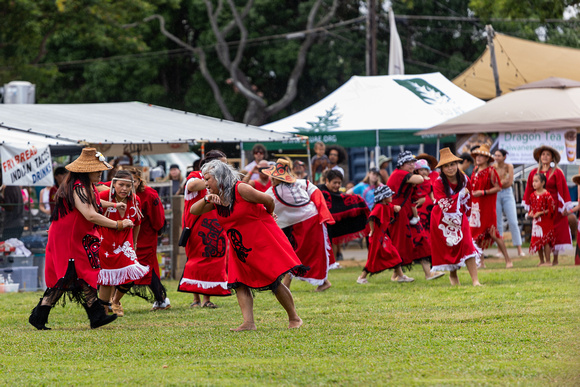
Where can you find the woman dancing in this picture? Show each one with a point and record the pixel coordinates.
(72, 252)
(263, 254)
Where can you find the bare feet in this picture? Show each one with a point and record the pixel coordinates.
(324, 286)
(509, 265)
(244, 327)
(477, 284)
(545, 264)
(292, 324)
(554, 263)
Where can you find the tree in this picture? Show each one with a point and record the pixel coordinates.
(229, 21)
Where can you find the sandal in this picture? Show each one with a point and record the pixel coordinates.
(209, 304)
(195, 304)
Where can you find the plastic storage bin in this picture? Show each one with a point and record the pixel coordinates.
(9, 288)
(26, 276)
(15, 260)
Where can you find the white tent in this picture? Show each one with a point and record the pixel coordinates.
(382, 109)
(135, 127)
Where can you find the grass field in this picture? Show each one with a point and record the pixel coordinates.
(522, 327)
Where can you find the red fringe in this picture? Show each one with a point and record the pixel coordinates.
(353, 212)
(350, 237)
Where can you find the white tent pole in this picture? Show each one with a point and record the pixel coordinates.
(366, 159)
(438, 146)
(243, 156)
(309, 160)
(377, 150)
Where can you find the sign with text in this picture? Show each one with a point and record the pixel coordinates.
(26, 165)
(521, 145)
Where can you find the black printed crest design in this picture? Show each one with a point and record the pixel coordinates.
(156, 202)
(240, 249)
(214, 241)
(92, 244)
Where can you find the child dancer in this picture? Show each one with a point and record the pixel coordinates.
(424, 199)
(452, 246)
(576, 180)
(542, 210)
(119, 265)
(382, 253)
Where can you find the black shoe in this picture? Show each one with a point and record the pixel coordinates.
(39, 316)
(97, 314)
(339, 257)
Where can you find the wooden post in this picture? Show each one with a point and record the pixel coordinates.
(490, 35)
(371, 38)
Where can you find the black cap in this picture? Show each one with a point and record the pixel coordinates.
(174, 166)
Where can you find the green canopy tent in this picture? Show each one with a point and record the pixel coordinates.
(379, 111)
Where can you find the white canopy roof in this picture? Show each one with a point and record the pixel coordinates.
(129, 126)
(394, 102)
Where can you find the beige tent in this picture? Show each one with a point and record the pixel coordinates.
(553, 103)
(519, 62)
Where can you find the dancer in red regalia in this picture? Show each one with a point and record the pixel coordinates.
(72, 253)
(576, 180)
(424, 192)
(548, 159)
(303, 216)
(263, 254)
(451, 241)
(119, 265)
(542, 210)
(411, 241)
(205, 271)
(149, 287)
(483, 221)
(382, 254)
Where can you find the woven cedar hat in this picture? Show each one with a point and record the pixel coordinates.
(280, 171)
(446, 157)
(89, 161)
(430, 159)
(555, 154)
(482, 150)
(576, 179)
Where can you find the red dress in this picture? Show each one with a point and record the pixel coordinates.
(543, 226)
(557, 187)
(262, 187)
(411, 241)
(262, 253)
(382, 253)
(483, 220)
(451, 241)
(302, 216)
(205, 271)
(423, 190)
(119, 263)
(73, 240)
(153, 221)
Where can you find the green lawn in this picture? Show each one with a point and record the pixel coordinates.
(522, 327)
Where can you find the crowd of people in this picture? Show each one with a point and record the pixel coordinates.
(259, 228)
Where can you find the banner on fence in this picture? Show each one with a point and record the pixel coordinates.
(26, 165)
(521, 145)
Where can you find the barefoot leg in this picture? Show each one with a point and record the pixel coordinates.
(285, 299)
(453, 278)
(472, 268)
(287, 281)
(555, 261)
(324, 286)
(541, 255)
(501, 246)
(246, 302)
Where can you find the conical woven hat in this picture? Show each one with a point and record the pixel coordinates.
(446, 157)
(89, 161)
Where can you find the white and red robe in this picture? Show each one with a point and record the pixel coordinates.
(451, 240)
(303, 216)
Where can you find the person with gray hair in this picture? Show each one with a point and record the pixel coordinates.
(262, 253)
